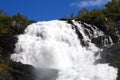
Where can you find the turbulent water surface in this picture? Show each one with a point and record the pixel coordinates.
(56, 45)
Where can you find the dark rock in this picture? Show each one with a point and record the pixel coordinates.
(5, 76)
(115, 38)
(111, 54)
(22, 72)
(8, 45)
(10, 70)
(97, 41)
(102, 41)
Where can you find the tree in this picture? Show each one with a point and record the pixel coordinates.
(112, 10)
(82, 12)
(3, 13)
(113, 6)
(18, 18)
(72, 15)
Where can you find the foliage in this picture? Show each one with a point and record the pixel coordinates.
(112, 10)
(106, 19)
(9, 27)
(82, 12)
(72, 16)
(18, 18)
(12, 24)
(3, 13)
(5, 21)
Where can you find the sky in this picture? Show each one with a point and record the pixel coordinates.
(44, 10)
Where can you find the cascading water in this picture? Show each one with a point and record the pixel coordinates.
(55, 45)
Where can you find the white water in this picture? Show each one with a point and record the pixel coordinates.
(55, 45)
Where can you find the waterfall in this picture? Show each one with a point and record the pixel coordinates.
(56, 45)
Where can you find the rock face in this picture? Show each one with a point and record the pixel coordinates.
(22, 72)
(7, 44)
(10, 70)
(16, 71)
(111, 54)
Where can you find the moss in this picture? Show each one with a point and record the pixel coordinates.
(7, 72)
(0, 50)
(116, 63)
(4, 72)
(3, 67)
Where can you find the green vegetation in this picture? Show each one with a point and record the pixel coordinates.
(13, 23)
(106, 19)
(9, 27)
(3, 13)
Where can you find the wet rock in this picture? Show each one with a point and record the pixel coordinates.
(111, 54)
(22, 72)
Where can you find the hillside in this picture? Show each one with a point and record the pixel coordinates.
(10, 26)
(107, 20)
